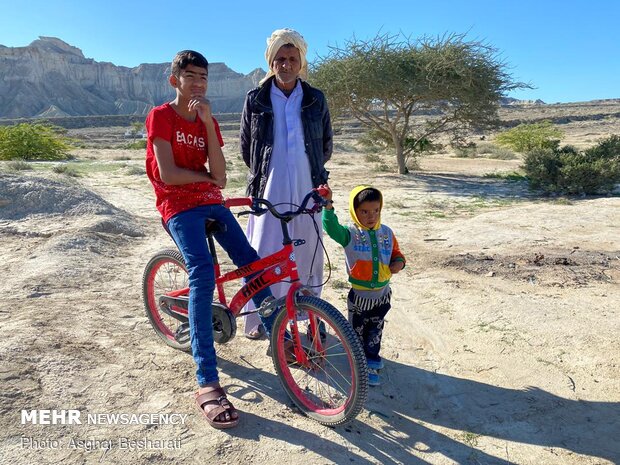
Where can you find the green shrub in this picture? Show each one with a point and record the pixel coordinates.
(542, 168)
(340, 284)
(372, 142)
(135, 171)
(371, 157)
(466, 151)
(528, 137)
(484, 149)
(27, 141)
(139, 144)
(490, 150)
(18, 165)
(66, 170)
(567, 171)
(607, 149)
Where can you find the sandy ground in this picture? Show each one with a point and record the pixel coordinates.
(501, 347)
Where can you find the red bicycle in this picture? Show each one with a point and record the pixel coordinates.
(316, 354)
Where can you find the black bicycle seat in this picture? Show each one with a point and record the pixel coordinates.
(214, 226)
(211, 227)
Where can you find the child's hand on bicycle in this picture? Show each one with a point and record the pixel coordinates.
(326, 192)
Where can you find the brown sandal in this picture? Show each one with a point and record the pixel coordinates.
(215, 397)
(258, 333)
(289, 352)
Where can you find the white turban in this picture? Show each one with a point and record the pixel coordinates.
(282, 37)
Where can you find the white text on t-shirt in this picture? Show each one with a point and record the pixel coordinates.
(190, 139)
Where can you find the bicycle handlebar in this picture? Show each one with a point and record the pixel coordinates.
(255, 203)
(238, 202)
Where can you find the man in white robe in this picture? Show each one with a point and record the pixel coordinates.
(288, 165)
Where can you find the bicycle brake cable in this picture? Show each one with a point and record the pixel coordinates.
(316, 247)
(319, 240)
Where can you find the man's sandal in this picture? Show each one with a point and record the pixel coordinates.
(257, 333)
(216, 403)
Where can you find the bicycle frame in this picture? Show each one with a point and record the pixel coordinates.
(320, 363)
(267, 271)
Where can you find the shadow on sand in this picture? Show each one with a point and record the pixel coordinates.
(412, 398)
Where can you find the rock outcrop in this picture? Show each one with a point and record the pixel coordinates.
(52, 78)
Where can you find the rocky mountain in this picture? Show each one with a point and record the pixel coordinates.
(506, 101)
(52, 78)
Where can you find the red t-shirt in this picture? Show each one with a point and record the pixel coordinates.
(189, 147)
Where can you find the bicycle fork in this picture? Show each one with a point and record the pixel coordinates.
(292, 314)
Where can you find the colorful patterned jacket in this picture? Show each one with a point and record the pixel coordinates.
(368, 252)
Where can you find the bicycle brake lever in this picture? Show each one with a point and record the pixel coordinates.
(257, 212)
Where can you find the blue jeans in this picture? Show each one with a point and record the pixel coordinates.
(188, 231)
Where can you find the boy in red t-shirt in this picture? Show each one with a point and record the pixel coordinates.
(183, 138)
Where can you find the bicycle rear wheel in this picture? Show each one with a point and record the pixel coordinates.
(164, 273)
(333, 386)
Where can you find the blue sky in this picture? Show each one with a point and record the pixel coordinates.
(569, 50)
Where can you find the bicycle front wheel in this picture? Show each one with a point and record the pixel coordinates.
(332, 386)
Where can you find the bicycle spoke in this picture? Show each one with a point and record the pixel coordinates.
(332, 386)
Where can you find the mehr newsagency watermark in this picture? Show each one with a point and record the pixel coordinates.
(77, 417)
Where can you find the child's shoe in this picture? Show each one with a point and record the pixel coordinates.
(373, 378)
(322, 332)
(376, 364)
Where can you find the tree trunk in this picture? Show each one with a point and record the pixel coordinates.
(400, 156)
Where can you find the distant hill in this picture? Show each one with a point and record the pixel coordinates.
(50, 78)
(513, 101)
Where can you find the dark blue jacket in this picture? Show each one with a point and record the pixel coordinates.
(257, 134)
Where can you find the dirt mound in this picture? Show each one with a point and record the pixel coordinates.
(24, 196)
(564, 268)
(24, 199)
(55, 231)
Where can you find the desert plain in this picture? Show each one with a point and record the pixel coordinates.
(501, 346)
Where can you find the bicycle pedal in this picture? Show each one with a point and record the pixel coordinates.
(269, 305)
(181, 335)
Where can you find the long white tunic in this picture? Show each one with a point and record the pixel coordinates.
(289, 180)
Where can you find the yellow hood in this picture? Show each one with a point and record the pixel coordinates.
(352, 196)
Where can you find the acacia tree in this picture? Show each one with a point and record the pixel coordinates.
(385, 81)
(530, 136)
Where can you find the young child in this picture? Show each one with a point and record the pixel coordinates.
(183, 138)
(372, 256)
